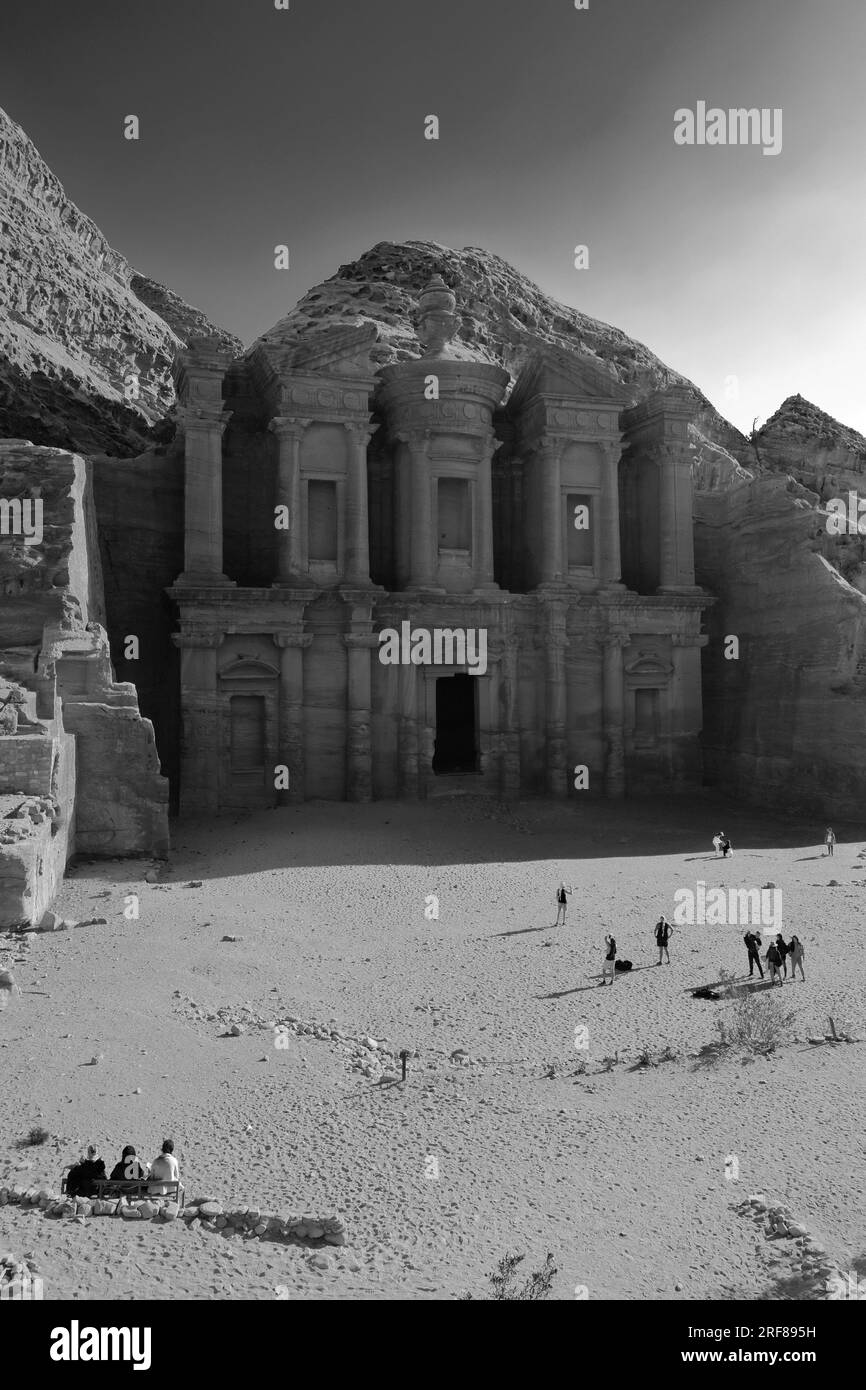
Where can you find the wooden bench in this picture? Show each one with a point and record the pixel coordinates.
(132, 1187)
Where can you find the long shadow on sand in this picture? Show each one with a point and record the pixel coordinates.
(474, 830)
(581, 989)
(522, 931)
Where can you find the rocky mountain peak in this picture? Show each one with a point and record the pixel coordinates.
(86, 345)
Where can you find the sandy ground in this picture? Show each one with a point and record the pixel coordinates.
(620, 1173)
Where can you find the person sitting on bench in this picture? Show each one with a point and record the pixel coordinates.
(164, 1169)
(130, 1168)
(82, 1176)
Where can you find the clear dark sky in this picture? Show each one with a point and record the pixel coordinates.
(261, 126)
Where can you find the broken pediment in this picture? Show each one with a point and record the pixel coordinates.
(249, 669)
(648, 663)
(553, 372)
(342, 352)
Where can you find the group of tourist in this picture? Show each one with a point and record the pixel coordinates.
(83, 1176)
(776, 956)
(721, 844)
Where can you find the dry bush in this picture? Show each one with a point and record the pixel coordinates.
(757, 1022)
(534, 1288)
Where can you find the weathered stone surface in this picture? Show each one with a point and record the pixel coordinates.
(99, 792)
(85, 345)
(783, 723)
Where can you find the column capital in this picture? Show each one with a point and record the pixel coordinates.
(610, 640)
(288, 426)
(689, 639)
(292, 639)
(354, 640)
(669, 453)
(360, 431)
(550, 443)
(211, 639)
(204, 418)
(612, 449)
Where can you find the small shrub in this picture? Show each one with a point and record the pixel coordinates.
(668, 1055)
(608, 1063)
(35, 1135)
(533, 1289)
(756, 1022)
(645, 1058)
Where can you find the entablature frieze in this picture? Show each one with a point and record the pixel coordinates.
(208, 640)
(283, 639)
(331, 400)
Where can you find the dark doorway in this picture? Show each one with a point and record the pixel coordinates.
(455, 750)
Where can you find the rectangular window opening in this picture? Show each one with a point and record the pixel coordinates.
(454, 514)
(579, 522)
(646, 713)
(321, 520)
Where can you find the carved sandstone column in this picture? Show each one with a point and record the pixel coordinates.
(613, 713)
(289, 433)
(509, 670)
(676, 528)
(550, 489)
(422, 567)
(292, 646)
(483, 558)
(556, 642)
(408, 730)
(202, 750)
(203, 494)
(357, 521)
(198, 373)
(611, 569)
(359, 743)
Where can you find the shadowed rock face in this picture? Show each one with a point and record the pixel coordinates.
(85, 345)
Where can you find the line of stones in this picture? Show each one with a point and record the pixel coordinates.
(208, 1211)
(814, 1264)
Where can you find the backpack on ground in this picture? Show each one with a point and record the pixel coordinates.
(622, 965)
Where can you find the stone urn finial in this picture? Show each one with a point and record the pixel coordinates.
(437, 323)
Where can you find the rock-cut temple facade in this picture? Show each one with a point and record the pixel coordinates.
(356, 539)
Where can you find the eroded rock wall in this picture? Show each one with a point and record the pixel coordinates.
(785, 723)
(85, 354)
(78, 764)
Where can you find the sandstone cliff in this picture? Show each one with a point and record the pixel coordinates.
(85, 351)
(78, 765)
(783, 723)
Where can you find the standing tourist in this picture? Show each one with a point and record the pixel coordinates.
(782, 947)
(561, 902)
(663, 936)
(830, 840)
(753, 946)
(609, 966)
(774, 963)
(796, 952)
